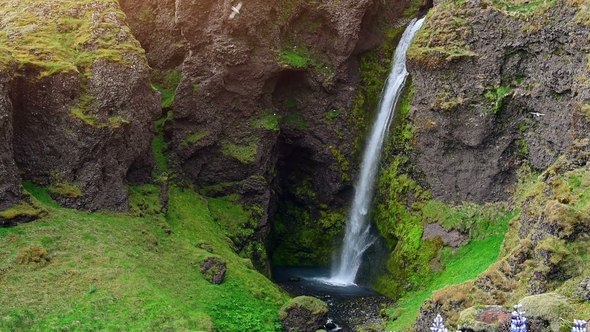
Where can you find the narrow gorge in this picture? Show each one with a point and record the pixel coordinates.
(160, 161)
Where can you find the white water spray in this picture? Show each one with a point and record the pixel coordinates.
(358, 237)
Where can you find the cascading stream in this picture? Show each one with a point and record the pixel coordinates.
(358, 237)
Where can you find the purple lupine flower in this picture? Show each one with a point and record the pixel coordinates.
(438, 325)
(579, 326)
(518, 323)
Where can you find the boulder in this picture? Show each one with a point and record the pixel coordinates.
(303, 314)
(486, 319)
(548, 309)
(213, 269)
(583, 290)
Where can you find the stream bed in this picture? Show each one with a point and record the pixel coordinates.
(350, 307)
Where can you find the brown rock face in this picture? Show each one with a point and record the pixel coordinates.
(53, 146)
(78, 113)
(503, 92)
(266, 97)
(10, 189)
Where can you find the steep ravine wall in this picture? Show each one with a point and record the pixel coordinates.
(495, 86)
(264, 106)
(502, 88)
(82, 105)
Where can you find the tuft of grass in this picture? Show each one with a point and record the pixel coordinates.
(267, 120)
(194, 138)
(497, 96)
(246, 154)
(66, 189)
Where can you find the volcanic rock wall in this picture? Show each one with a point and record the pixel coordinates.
(82, 105)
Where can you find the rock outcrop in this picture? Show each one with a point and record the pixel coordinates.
(303, 313)
(10, 189)
(500, 88)
(494, 86)
(82, 108)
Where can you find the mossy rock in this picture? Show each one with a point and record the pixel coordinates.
(213, 268)
(548, 309)
(22, 212)
(303, 314)
(205, 246)
(486, 319)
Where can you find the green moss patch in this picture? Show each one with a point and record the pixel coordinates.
(194, 138)
(65, 189)
(442, 37)
(24, 210)
(62, 36)
(267, 120)
(167, 85)
(246, 154)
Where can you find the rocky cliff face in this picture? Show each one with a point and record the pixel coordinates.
(499, 86)
(10, 192)
(82, 105)
(495, 85)
(264, 106)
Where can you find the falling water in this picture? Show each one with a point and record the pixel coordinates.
(358, 236)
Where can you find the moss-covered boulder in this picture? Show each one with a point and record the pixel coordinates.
(303, 314)
(486, 319)
(549, 309)
(213, 268)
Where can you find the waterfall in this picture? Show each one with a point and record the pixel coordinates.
(358, 237)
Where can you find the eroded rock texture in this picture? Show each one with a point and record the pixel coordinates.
(492, 91)
(265, 102)
(82, 109)
(10, 190)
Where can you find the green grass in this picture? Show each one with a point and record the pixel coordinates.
(115, 271)
(293, 59)
(246, 154)
(497, 96)
(194, 138)
(159, 145)
(465, 264)
(267, 120)
(167, 86)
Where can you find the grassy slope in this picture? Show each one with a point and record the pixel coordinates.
(468, 262)
(119, 272)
